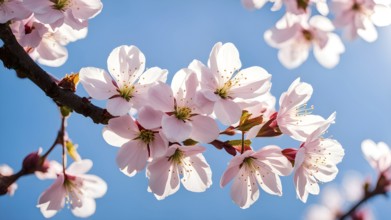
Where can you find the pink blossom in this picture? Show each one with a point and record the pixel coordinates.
(294, 117)
(294, 37)
(6, 170)
(185, 161)
(13, 10)
(257, 4)
(251, 169)
(316, 161)
(75, 188)
(128, 85)
(299, 7)
(138, 141)
(378, 155)
(183, 118)
(221, 88)
(359, 17)
(55, 13)
(42, 43)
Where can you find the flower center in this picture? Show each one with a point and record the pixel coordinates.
(223, 91)
(60, 5)
(249, 163)
(182, 113)
(307, 35)
(146, 136)
(126, 92)
(356, 7)
(73, 190)
(176, 157)
(302, 110)
(303, 4)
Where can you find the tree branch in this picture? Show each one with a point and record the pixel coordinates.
(14, 57)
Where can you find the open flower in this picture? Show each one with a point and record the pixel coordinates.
(294, 36)
(127, 86)
(43, 44)
(55, 13)
(13, 10)
(294, 118)
(185, 161)
(251, 169)
(359, 17)
(74, 187)
(221, 87)
(378, 155)
(138, 141)
(316, 161)
(183, 118)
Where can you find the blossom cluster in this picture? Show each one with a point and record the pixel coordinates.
(161, 127)
(354, 188)
(44, 27)
(297, 31)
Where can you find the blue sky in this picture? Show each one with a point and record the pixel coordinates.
(171, 34)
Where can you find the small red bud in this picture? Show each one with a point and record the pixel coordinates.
(34, 162)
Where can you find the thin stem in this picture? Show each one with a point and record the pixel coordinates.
(62, 131)
(242, 150)
(380, 189)
(56, 141)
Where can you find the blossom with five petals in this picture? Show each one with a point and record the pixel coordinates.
(221, 89)
(55, 13)
(294, 36)
(164, 172)
(359, 17)
(139, 140)
(251, 169)
(74, 187)
(183, 118)
(126, 65)
(316, 161)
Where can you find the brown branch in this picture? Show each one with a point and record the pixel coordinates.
(380, 189)
(15, 57)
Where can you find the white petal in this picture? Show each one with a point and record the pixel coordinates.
(54, 195)
(369, 32)
(174, 129)
(94, 186)
(132, 156)
(118, 106)
(382, 15)
(197, 175)
(159, 146)
(153, 75)
(86, 9)
(120, 130)
(80, 167)
(204, 129)
(250, 82)
(126, 64)
(228, 61)
(149, 118)
(97, 83)
(329, 55)
(227, 111)
(161, 97)
(87, 209)
(244, 190)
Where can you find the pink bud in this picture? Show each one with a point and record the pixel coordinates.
(34, 162)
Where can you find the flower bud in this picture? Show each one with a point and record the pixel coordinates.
(34, 162)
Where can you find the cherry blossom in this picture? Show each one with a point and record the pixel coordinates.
(186, 161)
(221, 87)
(257, 4)
(316, 161)
(13, 9)
(42, 43)
(251, 169)
(378, 155)
(128, 86)
(138, 141)
(75, 188)
(183, 119)
(55, 13)
(359, 17)
(293, 117)
(294, 37)
(6, 170)
(299, 7)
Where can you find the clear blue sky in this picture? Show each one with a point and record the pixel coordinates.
(171, 34)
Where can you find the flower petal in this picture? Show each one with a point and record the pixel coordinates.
(174, 129)
(97, 83)
(120, 130)
(227, 111)
(204, 129)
